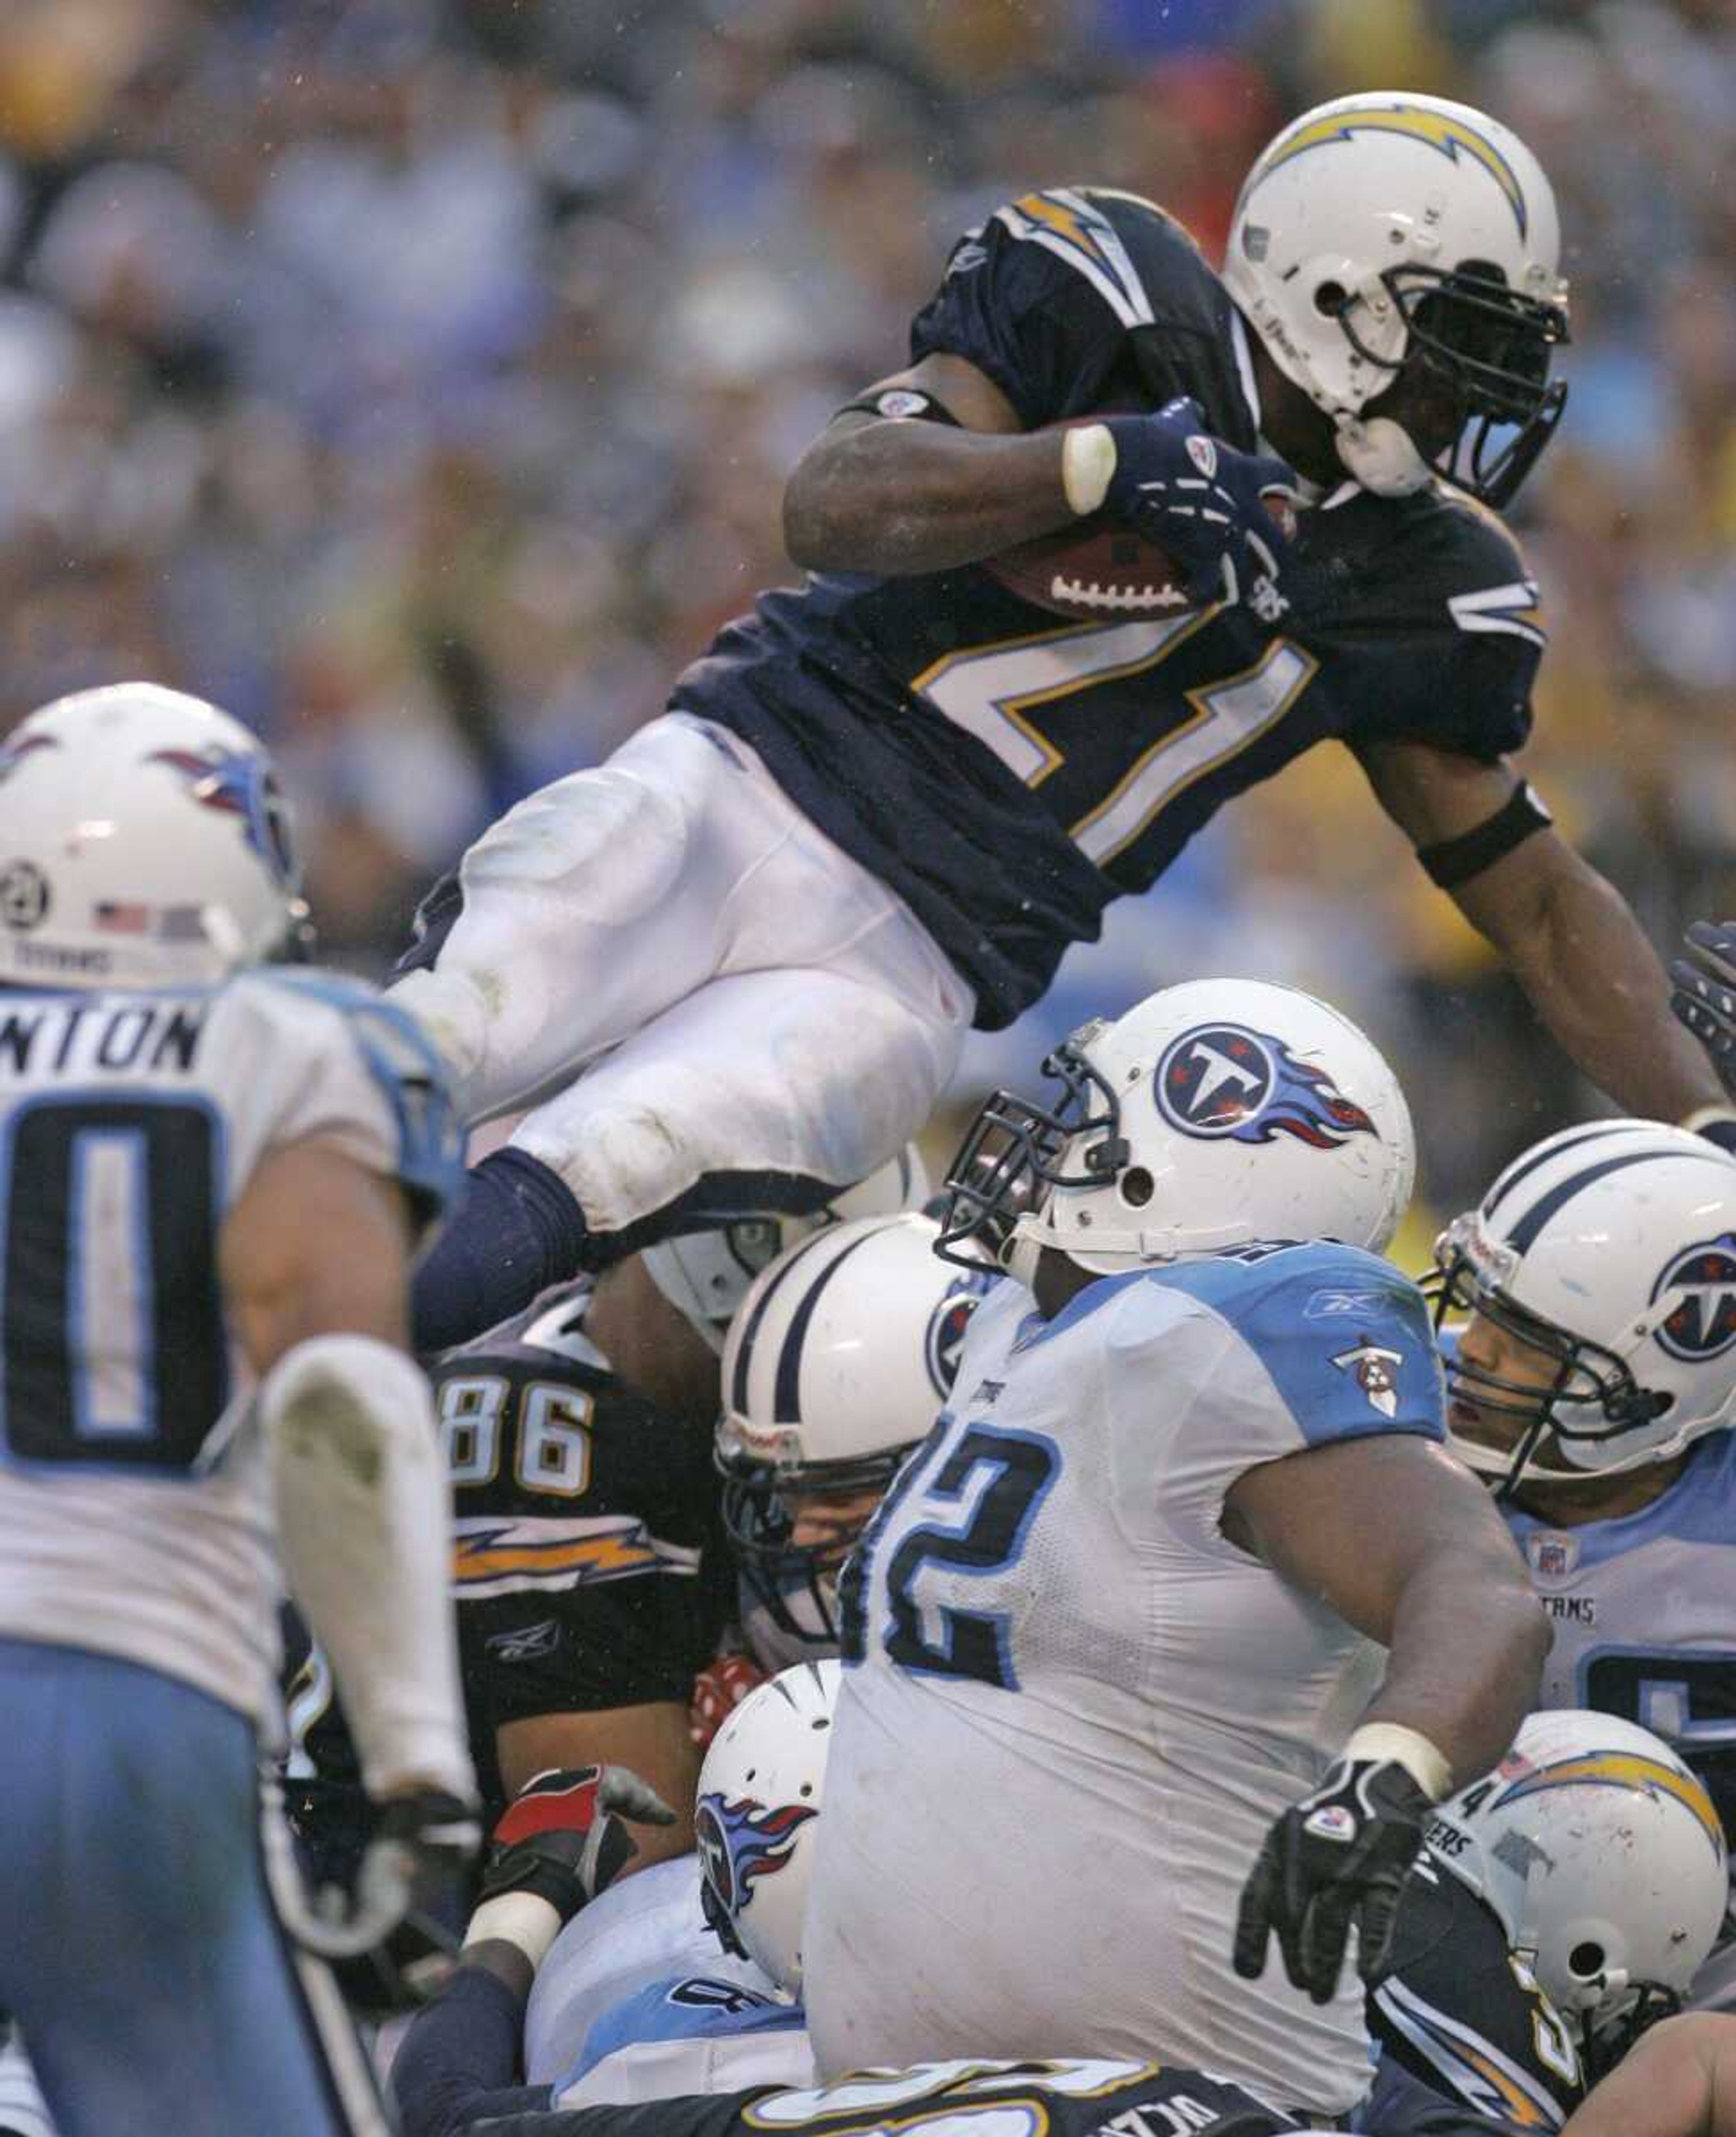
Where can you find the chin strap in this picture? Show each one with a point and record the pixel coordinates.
(1377, 453)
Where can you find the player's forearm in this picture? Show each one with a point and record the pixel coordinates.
(901, 498)
(1466, 1655)
(364, 1518)
(459, 2060)
(1678, 2082)
(1597, 984)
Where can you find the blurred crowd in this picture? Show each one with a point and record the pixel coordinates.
(418, 378)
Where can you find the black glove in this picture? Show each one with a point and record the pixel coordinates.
(1340, 1855)
(1705, 997)
(561, 1840)
(393, 1938)
(1203, 503)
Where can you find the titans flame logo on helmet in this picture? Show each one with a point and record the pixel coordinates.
(741, 1841)
(1223, 1081)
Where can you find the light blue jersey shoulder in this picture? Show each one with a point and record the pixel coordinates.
(1344, 1338)
(682, 2007)
(402, 1061)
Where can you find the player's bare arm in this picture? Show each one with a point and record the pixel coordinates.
(888, 494)
(1567, 934)
(1678, 2082)
(1440, 1585)
(316, 1245)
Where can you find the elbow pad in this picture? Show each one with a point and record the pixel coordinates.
(364, 1520)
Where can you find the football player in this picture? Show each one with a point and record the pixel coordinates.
(738, 959)
(1578, 1861)
(214, 1176)
(837, 1364)
(838, 1359)
(1562, 1906)
(1132, 1586)
(706, 2021)
(588, 1569)
(1595, 1385)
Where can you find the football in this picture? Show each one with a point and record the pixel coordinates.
(1098, 569)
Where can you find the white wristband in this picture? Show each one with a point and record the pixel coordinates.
(1703, 1117)
(524, 1920)
(1409, 1748)
(1088, 461)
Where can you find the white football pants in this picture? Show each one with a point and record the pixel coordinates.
(680, 975)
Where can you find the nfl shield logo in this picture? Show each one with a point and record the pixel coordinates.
(1552, 1557)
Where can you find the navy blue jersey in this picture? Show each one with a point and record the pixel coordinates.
(1461, 2023)
(587, 1568)
(1008, 772)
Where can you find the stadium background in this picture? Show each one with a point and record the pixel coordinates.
(418, 381)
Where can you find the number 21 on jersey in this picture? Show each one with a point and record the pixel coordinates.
(933, 1564)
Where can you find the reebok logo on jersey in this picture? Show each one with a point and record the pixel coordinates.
(1375, 1372)
(526, 1642)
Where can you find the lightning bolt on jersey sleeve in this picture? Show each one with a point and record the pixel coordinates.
(1461, 2023)
(1075, 300)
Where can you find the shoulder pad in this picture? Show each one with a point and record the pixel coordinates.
(1072, 225)
(406, 1068)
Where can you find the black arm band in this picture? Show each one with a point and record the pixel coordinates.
(1455, 861)
(900, 404)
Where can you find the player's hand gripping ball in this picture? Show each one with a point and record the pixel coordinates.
(1338, 1857)
(1184, 520)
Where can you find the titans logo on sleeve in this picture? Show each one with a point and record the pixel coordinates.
(945, 1342)
(1224, 1080)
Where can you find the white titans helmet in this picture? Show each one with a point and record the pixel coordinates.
(1610, 1249)
(1381, 226)
(143, 844)
(759, 1792)
(1212, 1114)
(1604, 1860)
(838, 1362)
(705, 1275)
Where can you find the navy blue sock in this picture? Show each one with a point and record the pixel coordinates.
(518, 1230)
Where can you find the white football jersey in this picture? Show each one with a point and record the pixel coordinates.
(1072, 1711)
(133, 1489)
(646, 1927)
(1643, 1613)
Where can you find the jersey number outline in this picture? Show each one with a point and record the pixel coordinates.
(113, 1348)
(550, 1433)
(1687, 1696)
(992, 690)
(990, 1481)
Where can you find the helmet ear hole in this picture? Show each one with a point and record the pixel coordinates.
(1137, 1186)
(1586, 1960)
(1330, 299)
